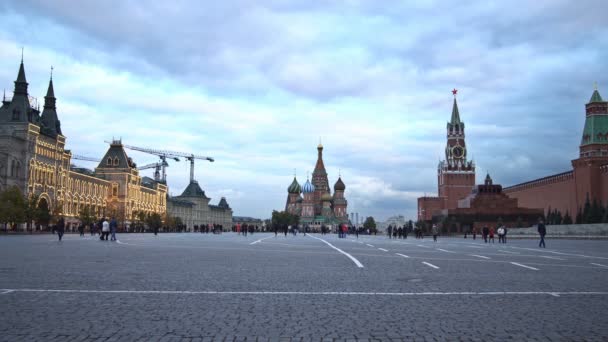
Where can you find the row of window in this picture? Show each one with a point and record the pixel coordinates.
(112, 162)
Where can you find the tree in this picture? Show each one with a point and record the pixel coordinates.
(86, 215)
(283, 218)
(595, 214)
(370, 224)
(587, 211)
(31, 210)
(12, 206)
(567, 218)
(579, 217)
(154, 221)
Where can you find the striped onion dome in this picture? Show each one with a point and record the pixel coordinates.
(308, 187)
(294, 188)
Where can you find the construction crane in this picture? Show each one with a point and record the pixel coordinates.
(157, 168)
(163, 155)
(79, 157)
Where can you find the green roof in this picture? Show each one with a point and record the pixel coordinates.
(596, 97)
(596, 130)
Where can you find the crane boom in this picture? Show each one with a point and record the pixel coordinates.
(79, 157)
(164, 154)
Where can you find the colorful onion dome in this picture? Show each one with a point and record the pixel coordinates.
(339, 185)
(308, 187)
(326, 197)
(294, 188)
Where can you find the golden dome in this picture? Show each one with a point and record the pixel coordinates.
(326, 197)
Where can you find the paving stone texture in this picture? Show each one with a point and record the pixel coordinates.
(199, 287)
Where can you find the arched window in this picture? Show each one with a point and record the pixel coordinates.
(109, 162)
(16, 114)
(115, 161)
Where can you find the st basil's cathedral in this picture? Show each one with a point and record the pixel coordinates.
(313, 201)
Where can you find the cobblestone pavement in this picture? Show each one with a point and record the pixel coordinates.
(198, 287)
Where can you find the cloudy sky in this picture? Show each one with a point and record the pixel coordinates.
(255, 84)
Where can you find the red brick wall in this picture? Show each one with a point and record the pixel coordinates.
(427, 206)
(558, 193)
(456, 187)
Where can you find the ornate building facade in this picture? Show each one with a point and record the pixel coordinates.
(314, 202)
(568, 191)
(193, 207)
(34, 159)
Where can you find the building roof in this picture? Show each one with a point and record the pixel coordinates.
(595, 97)
(223, 203)
(115, 157)
(339, 185)
(179, 202)
(455, 114)
(308, 187)
(51, 125)
(294, 188)
(193, 190)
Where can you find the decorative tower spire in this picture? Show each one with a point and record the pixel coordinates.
(455, 114)
(51, 125)
(21, 82)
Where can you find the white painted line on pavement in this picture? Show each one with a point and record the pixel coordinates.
(480, 256)
(551, 257)
(593, 263)
(429, 264)
(500, 250)
(518, 264)
(339, 250)
(443, 250)
(367, 244)
(423, 246)
(325, 293)
(6, 291)
(260, 240)
(384, 250)
(403, 255)
(474, 246)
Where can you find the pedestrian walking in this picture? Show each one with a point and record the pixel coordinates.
(504, 235)
(501, 232)
(474, 233)
(81, 229)
(435, 232)
(105, 229)
(542, 231)
(485, 231)
(113, 228)
(492, 234)
(60, 228)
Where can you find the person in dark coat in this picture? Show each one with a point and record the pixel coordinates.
(485, 231)
(542, 231)
(60, 228)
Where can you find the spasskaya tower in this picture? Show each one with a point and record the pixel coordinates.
(455, 174)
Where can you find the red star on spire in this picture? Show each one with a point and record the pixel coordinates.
(455, 91)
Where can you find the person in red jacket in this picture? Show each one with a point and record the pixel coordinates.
(492, 234)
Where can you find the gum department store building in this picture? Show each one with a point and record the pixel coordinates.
(33, 158)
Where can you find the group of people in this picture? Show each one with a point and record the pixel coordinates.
(244, 229)
(397, 232)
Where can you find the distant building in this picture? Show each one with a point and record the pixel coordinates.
(313, 202)
(394, 221)
(250, 221)
(193, 208)
(33, 158)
